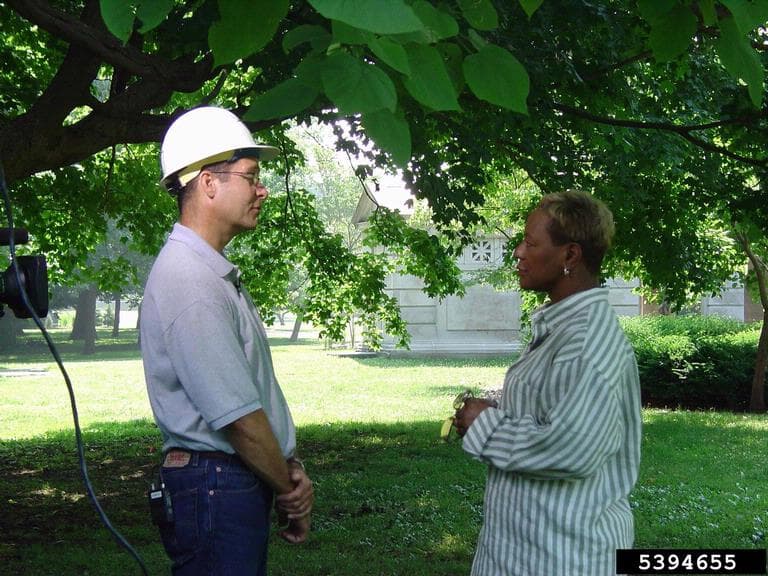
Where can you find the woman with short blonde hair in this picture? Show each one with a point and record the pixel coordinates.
(563, 445)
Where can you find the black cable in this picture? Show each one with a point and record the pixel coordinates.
(78, 436)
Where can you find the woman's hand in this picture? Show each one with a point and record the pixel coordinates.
(471, 409)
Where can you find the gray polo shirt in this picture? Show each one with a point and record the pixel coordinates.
(206, 357)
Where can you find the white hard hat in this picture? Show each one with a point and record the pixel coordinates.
(204, 136)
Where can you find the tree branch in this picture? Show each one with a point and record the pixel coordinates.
(40, 140)
(645, 55)
(758, 265)
(180, 75)
(680, 130)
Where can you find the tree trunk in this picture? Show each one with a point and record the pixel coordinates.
(7, 331)
(757, 398)
(138, 327)
(116, 320)
(352, 333)
(84, 326)
(296, 327)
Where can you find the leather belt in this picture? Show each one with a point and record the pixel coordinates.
(181, 457)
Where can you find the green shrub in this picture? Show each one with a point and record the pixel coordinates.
(694, 326)
(694, 362)
(105, 316)
(66, 318)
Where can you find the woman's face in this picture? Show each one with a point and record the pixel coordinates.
(540, 263)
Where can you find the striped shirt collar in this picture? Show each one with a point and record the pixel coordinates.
(548, 317)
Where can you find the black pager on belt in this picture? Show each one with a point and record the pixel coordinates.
(160, 505)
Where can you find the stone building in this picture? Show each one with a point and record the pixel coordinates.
(486, 321)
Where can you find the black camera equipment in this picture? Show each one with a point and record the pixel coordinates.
(24, 288)
(33, 275)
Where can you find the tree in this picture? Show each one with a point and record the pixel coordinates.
(76, 117)
(330, 177)
(399, 70)
(91, 220)
(663, 99)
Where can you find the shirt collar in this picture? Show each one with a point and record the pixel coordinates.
(548, 317)
(215, 260)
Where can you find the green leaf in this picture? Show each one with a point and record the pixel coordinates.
(496, 76)
(439, 24)
(740, 59)
(454, 60)
(421, 37)
(480, 14)
(356, 87)
(477, 41)
(530, 6)
(245, 27)
(391, 133)
(708, 12)
(748, 15)
(391, 53)
(309, 70)
(672, 34)
(346, 34)
(119, 16)
(378, 16)
(283, 101)
(429, 82)
(152, 13)
(306, 33)
(653, 10)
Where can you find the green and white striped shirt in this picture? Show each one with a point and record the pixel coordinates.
(563, 447)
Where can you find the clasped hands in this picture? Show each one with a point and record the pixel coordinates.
(294, 508)
(467, 408)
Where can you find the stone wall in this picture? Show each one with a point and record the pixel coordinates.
(486, 321)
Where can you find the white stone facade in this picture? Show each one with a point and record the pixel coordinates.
(486, 321)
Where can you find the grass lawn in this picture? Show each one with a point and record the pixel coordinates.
(392, 498)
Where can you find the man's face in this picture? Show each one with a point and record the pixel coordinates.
(240, 195)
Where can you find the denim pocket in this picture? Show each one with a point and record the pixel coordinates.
(241, 512)
(182, 538)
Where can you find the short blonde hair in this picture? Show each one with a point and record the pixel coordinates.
(576, 216)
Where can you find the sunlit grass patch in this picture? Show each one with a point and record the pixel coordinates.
(702, 480)
(392, 498)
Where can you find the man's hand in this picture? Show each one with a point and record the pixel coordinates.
(297, 530)
(466, 415)
(294, 508)
(298, 502)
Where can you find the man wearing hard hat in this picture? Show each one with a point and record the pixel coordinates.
(229, 443)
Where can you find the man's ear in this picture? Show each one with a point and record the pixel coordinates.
(208, 183)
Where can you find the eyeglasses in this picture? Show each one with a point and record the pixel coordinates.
(458, 404)
(252, 177)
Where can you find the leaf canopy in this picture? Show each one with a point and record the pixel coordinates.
(378, 16)
(655, 106)
(245, 27)
(356, 87)
(498, 77)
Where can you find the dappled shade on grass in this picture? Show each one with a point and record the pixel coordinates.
(392, 499)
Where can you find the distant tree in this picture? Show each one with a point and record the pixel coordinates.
(656, 106)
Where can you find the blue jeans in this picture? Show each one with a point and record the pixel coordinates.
(221, 518)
